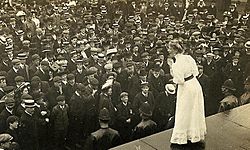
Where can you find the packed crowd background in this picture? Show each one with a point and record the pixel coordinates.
(69, 68)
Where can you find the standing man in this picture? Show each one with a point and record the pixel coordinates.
(13, 72)
(29, 127)
(8, 111)
(104, 138)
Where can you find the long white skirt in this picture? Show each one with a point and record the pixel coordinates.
(190, 117)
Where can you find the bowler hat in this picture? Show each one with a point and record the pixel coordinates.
(60, 98)
(104, 114)
(228, 84)
(145, 109)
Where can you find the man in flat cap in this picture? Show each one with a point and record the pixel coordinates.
(70, 86)
(77, 116)
(104, 138)
(43, 71)
(80, 71)
(8, 111)
(91, 93)
(55, 90)
(13, 72)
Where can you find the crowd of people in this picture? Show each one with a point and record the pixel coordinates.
(95, 74)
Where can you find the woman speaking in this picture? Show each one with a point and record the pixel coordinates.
(190, 126)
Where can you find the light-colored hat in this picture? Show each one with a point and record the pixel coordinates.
(170, 88)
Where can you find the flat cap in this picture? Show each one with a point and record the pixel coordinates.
(19, 79)
(123, 94)
(93, 81)
(15, 61)
(60, 98)
(70, 76)
(57, 79)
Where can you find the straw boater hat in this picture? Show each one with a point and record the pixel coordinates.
(170, 88)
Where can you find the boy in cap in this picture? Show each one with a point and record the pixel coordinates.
(60, 122)
(144, 96)
(104, 138)
(124, 117)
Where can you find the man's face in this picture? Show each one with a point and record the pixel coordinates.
(79, 65)
(10, 105)
(14, 124)
(58, 84)
(247, 87)
(45, 68)
(109, 91)
(72, 82)
(156, 74)
(124, 99)
(16, 66)
(61, 103)
(200, 70)
(131, 69)
(145, 89)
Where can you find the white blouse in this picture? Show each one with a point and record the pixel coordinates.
(183, 67)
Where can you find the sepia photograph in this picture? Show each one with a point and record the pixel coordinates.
(124, 74)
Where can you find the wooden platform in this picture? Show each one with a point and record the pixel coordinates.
(226, 131)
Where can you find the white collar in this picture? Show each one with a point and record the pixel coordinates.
(28, 113)
(10, 111)
(15, 70)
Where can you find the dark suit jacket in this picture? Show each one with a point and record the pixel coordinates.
(140, 99)
(3, 118)
(10, 78)
(28, 132)
(103, 139)
(42, 76)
